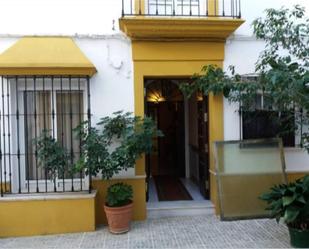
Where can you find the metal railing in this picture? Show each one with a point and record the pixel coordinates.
(182, 8)
(30, 105)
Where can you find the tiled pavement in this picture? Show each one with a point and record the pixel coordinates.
(178, 232)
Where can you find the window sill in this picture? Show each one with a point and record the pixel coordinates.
(293, 149)
(48, 196)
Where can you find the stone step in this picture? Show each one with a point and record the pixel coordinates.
(179, 208)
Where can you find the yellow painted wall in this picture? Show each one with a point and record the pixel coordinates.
(5, 187)
(216, 133)
(139, 198)
(292, 176)
(40, 217)
(178, 59)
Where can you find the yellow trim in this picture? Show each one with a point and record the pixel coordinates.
(139, 5)
(45, 56)
(150, 28)
(292, 176)
(216, 133)
(40, 217)
(170, 51)
(178, 47)
(177, 59)
(139, 197)
(213, 8)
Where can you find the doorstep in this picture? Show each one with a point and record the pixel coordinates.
(179, 208)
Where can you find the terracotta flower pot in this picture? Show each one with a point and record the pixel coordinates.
(119, 218)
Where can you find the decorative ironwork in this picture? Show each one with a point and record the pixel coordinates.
(30, 105)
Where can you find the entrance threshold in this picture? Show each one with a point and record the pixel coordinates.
(197, 206)
(179, 208)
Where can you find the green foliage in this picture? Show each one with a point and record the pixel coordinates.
(290, 202)
(94, 152)
(119, 194)
(282, 70)
(213, 79)
(51, 155)
(116, 143)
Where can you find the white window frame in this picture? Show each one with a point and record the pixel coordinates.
(33, 183)
(180, 5)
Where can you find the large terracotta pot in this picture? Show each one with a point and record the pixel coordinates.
(119, 218)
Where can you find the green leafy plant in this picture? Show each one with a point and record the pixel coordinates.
(115, 144)
(282, 71)
(51, 155)
(290, 202)
(94, 152)
(119, 194)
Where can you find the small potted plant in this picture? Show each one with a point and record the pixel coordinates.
(114, 145)
(290, 202)
(119, 207)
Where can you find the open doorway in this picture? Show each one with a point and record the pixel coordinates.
(177, 169)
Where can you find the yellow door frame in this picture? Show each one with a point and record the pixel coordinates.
(178, 59)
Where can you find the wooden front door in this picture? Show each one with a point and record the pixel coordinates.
(203, 146)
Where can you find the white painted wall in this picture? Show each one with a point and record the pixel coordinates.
(94, 24)
(112, 87)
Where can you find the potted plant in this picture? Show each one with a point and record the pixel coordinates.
(114, 145)
(290, 202)
(119, 207)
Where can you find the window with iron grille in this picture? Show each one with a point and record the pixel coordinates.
(264, 121)
(30, 106)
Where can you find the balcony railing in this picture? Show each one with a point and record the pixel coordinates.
(182, 8)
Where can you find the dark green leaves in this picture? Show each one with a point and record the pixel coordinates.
(115, 144)
(281, 70)
(51, 156)
(290, 202)
(119, 194)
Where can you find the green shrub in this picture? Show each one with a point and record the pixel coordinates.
(290, 202)
(115, 144)
(52, 156)
(119, 195)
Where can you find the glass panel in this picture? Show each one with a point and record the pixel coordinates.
(163, 7)
(69, 103)
(245, 170)
(38, 102)
(183, 7)
(166, 7)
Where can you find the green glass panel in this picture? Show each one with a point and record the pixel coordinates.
(245, 170)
